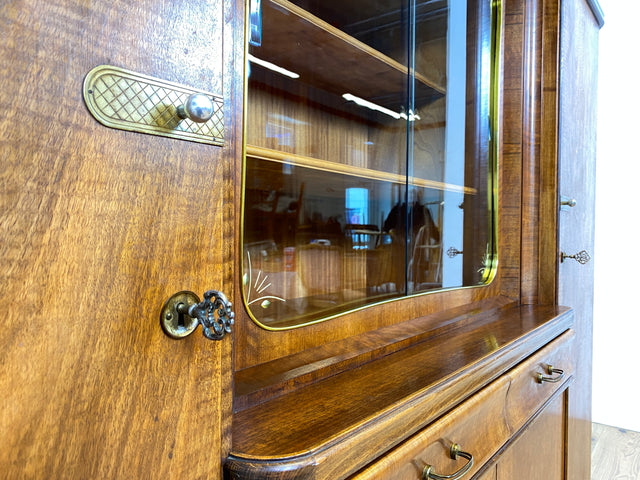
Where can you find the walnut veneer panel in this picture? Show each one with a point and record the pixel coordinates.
(478, 426)
(97, 231)
(490, 474)
(539, 451)
(527, 394)
(266, 381)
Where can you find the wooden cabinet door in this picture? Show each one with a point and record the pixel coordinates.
(490, 474)
(98, 227)
(577, 151)
(539, 451)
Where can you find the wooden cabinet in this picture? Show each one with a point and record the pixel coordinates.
(363, 407)
(381, 390)
(100, 226)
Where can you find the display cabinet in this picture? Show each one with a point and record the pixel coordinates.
(399, 255)
(369, 154)
(376, 220)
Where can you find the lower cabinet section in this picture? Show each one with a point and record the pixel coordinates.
(539, 451)
(511, 429)
(428, 409)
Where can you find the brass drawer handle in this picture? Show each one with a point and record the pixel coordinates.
(454, 453)
(550, 370)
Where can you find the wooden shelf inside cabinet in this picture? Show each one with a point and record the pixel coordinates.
(344, 169)
(329, 58)
(362, 407)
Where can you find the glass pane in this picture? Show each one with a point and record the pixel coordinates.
(356, 110)
(451, 145)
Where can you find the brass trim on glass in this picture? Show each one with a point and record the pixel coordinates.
(134, 102)
(454, 453)
(491, 258)
(252, 285)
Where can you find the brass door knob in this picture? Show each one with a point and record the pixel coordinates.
(182, 313)
(198, 108)
(566, 202)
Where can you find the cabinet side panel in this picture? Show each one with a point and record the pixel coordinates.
(578, 82)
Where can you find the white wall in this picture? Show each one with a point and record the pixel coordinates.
(616, 362)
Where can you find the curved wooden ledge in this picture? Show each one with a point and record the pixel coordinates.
(335, 426)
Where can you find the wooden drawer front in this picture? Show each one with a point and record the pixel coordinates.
(527, 395)
(481, 425)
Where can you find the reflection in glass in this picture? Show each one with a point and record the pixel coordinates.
(367, 155)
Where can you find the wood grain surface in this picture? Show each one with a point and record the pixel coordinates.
(98, 228)
(530, 100)
(540, 448)
(362, 68)
(490, 474)
(531, 166)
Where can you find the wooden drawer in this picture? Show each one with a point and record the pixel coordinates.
(527, 394)
(482, 424)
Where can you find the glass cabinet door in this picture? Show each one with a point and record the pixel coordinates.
(368, 163)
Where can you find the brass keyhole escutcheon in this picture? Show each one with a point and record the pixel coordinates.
(174, 318)
(182, 313)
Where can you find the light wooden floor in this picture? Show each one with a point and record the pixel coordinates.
(615, 453)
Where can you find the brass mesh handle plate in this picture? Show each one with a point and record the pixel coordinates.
(126, 100)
